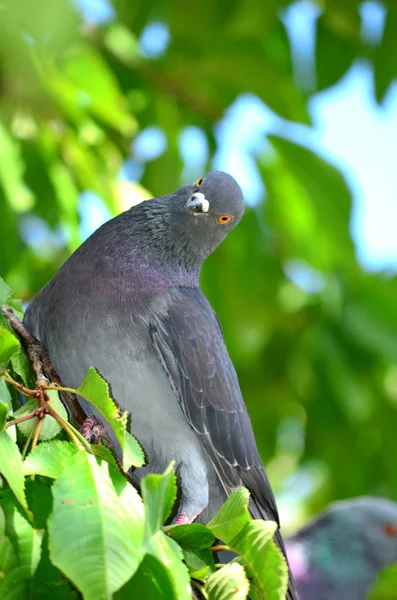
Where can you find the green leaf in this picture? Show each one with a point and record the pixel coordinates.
(5, 292)
(169, 553)
(385, 585)
(12, 586)
(22, 366)
(4, 409)
(11, 467)
(264, 561)
(92, 525)
(385, 66)
(133, 455)
(49, 459)
(152, 580)
(228, 583)
(50, 427)
(8, 345)
(232, 516)
(196, 540)
(29, 542)
(5, 396)
(96, 390)
(335, 53)
(159, 495)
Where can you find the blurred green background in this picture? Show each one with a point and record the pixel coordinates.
(104, 104)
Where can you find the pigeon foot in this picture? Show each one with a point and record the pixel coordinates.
(185, 519)
(94, 431)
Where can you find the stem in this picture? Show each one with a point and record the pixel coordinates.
(21, 419)
(26, 446)
(37, 430)
(220, 548)
(24, 390)
(65, 426)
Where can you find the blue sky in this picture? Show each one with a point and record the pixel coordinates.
(349, 129)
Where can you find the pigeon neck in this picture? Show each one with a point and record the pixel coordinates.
(153, 270)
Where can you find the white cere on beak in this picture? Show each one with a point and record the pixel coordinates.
(199, 202)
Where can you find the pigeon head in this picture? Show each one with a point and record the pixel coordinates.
(191, 222)
(347, 545)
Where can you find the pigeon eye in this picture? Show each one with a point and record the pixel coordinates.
(199, 182)
(390, 529)
(224, 219)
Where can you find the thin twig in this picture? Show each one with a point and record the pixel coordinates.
(27, 443)
(24, 390)
(66, 426)
(31, 415)
(37, 430)
(220, 548)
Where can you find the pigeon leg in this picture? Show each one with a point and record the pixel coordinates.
(93, 430)
(185, 519)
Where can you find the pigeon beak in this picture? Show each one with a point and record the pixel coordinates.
(198, 203)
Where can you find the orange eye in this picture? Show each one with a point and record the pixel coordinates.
(224, 219)
(390, 529)
(199, 182)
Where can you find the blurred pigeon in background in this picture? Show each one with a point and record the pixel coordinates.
(339, 554)
(128, 302)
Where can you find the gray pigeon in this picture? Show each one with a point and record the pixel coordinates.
(128, 302)
(339, 554)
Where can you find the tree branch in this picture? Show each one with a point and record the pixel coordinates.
(42, 364)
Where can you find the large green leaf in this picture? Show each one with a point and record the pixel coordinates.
(92, 525)
(265, 562)
(50, 427)
(11, 466)
(228, 583)
(163, 548)
(232, 517)
(29, 542)
(49, 459)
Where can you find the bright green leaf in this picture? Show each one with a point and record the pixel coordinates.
(5, 395)
(232, 516)
(5, 292)
(264, 561)
(385, 585)
(29, 542)
(133, 455)
(96, 390)
(228, 583)
(9, 344)
(159, 495)
(90, 525)
(49, 459)
(11, 466)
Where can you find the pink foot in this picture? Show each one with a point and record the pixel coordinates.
(93, 431)
(185, 519)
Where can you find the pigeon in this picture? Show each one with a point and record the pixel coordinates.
(129, 303)
(339, 554)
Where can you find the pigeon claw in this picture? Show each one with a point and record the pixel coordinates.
(94, 431)
(185, 519)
